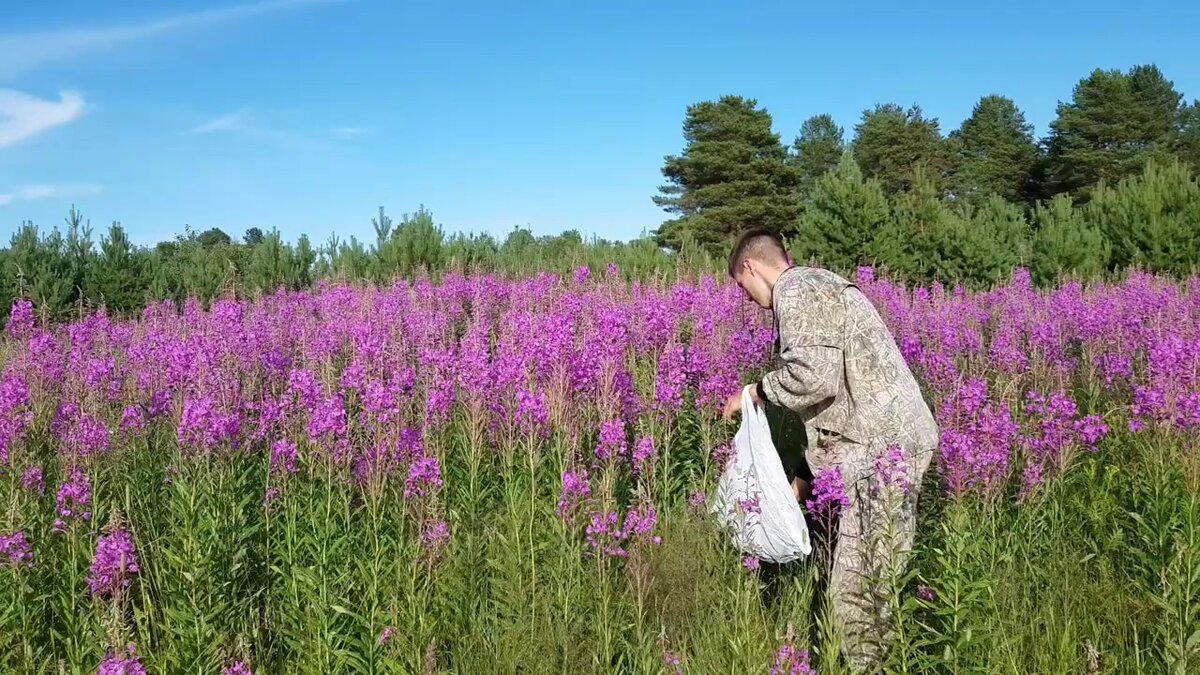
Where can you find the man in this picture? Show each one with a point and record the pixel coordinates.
(844, 376)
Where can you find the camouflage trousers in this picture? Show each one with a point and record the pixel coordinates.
(874, 536)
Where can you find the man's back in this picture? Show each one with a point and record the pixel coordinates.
(878, 401)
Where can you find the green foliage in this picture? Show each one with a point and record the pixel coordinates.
(116, 277)
(996, 153)
(1115, 123)
(895, 145)
(733, 173)
(817, 150)
(1064, 245)
(844, 219)
(1187, 138)
(1151, 219)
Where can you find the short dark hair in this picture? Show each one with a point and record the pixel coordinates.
(757, 243)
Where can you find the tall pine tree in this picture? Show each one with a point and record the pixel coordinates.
(844, 221)
(1115, 123)
(893, 145)
(1187, 136)
(817, 150)
(996, 152)
(733, 173)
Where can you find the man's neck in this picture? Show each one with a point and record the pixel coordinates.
(771, 275)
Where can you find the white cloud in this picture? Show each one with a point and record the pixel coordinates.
(31, 193)
(232, 122)
(22, 52)
(23, 116)
(348, 132)
(244, 124)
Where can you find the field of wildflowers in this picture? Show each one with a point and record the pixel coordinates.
(484, 475)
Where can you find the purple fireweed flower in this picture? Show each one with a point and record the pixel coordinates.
(115, 664)
(722, 455)
(33, 481)
(327, 419)
(643, 454)
(581, 275)
(113, 565)
(751, 563)
(575, 489)
(237, 668)
(533, 417)
(15, 550)
(385, 636)
(133, 420)
(283, 457)
(829, 492)
(697, 499)
(612, 440)
(926, 593)
(749, 505)
(1091, 430)
(671, 380)
(791, 660)
(20, 319)
(672, 663)
(270, 497)
(892, 468)
(73, 499)
(434, 537)
(88, 437)
(424, 477)
(603, 533)
(639, 526)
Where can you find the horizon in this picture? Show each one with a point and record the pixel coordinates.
(257, 114)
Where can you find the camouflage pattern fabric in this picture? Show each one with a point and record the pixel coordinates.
(840, 370)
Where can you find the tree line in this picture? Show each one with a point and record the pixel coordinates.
(1113, 184)
(65, 271)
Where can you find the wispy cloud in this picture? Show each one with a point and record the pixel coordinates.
(243, 123)
(232, 122)
(30, 193)
(23, 116)
(23, 52)
(347, 132)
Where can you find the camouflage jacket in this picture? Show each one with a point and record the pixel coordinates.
(839, 367)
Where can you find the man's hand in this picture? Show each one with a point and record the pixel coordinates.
(733, 404)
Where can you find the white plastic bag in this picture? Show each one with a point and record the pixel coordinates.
(754, 500)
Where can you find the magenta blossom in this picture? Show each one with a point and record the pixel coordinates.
(829, 493)
(15, 550)
(114, 565)
(115, 664)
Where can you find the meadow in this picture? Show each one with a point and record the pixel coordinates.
(478, 474)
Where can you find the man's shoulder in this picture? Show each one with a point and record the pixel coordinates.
(813, 278)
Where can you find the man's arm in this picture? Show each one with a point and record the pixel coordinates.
(810, 337)
(810, 375)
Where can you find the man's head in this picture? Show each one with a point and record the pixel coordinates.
(757, 260)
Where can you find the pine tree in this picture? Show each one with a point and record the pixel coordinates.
(996, 152)
(1064, 244)
(1115, 123)
(733, 173)
(1151, 219)
(893, 145)
(116, 278)
(817, 150)
(845, 216)
(1186, 144)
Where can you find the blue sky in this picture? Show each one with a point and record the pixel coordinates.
(307, 115)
